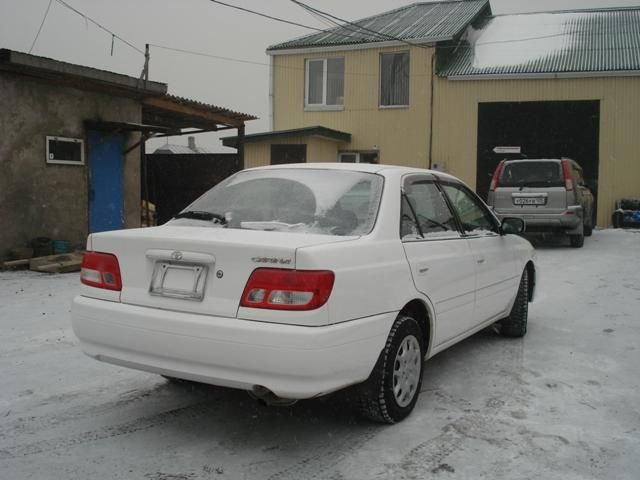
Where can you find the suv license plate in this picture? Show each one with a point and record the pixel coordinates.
(178, 281)
(529, 201)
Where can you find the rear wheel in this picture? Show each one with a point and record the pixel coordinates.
(515, 325)
(588, 226)
(577, 241)
(392, 389)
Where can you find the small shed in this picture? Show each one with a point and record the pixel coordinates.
(73, 143)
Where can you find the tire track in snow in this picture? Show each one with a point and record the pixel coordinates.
(423, 459)
(35, 424)
(140, 424)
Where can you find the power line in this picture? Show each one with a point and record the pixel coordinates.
(41, 25)
(347, 22)
(282, 20)
(86, 17)
(270, 17)
(327, 18)
(249, 62)
(209, 55)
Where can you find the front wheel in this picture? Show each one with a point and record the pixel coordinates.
(515, 325)
(392, 389)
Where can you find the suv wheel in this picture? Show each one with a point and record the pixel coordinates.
(588, 227)
(392, 389)
(577, 241)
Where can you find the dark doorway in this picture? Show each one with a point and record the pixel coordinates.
(176, 180)
(541, 130)
(281, 154)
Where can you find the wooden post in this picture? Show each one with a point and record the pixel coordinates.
(145, 180)
(241, 146)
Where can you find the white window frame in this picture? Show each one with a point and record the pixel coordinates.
(325, 74)
(390, 107)
(64, 162)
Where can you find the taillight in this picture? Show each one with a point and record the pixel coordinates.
(496, 176)
(101, 270)
(566, 172)
(281, 289)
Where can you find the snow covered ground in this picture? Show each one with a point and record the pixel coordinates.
(563, 403)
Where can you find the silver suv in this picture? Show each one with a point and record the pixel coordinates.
(548, 194)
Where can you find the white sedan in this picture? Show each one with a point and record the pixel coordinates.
(295, 281)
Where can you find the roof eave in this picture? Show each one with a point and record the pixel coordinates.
(543, 75)
(418, 42)
(25, 63)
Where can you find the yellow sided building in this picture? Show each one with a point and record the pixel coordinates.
(448, 86)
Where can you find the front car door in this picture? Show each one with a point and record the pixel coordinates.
(441, 261)
(497, 278)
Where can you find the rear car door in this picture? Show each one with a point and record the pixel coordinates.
(496, 276)
(442, 264)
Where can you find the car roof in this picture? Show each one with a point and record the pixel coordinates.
(360, 167)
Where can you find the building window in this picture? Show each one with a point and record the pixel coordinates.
(65, 151)
(358, 157)
(281, 154)
(394, 79)
(324, 83)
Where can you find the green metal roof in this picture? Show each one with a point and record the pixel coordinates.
(317, 131)
(588, 42)
(422, 22)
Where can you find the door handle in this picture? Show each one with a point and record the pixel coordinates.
(480, 260)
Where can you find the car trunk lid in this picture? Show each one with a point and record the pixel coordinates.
(197, 269)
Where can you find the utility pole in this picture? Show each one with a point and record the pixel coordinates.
(144, 76)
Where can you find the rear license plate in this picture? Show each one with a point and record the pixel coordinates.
(529, 200)
(178, 281)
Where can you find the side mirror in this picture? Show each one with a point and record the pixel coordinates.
(512, 225)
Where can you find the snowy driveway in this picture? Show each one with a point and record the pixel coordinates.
(564, 403)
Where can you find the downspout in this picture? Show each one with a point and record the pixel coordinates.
(271, 88)
(433, 74)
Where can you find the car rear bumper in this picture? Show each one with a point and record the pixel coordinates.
(568, 220)
(292, 361)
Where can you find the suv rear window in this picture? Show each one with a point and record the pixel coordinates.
(531, 174)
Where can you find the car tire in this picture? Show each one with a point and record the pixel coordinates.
(588, 228)
(515, 325)
(392, 390)
(577, 241)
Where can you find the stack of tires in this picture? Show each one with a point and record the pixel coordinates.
(627, 213)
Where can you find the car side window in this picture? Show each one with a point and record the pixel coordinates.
(425, 213)
(474, 216)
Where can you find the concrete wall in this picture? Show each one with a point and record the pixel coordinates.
(455, 135)
(401, 134)
(39, 199)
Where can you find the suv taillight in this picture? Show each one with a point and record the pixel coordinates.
(101, 270)
(281, 289)
(496, 176)
(566, 173)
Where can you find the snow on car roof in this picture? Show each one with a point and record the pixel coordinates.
(357, 167)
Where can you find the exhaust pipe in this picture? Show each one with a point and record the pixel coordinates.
(267, 397)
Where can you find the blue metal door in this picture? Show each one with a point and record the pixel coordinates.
(106, 185)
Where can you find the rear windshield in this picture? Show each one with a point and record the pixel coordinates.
(334, 202)
(531, 174)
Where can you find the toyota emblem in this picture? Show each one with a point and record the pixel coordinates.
(176, 255)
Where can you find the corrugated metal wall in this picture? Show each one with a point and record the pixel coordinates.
(456, 126)
(401, 134)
